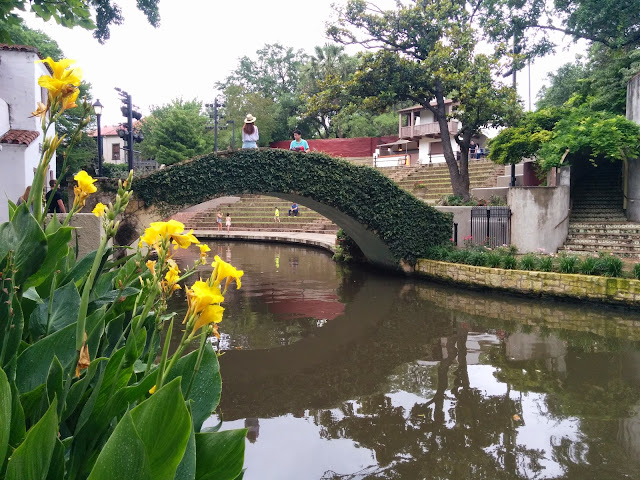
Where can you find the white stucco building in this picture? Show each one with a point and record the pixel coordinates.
(420, 141)
(20, 135)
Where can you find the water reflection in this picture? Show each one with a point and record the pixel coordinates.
(383, 378)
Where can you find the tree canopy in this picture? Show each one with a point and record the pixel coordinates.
(97, 15)
(425, 53)
(560, 136)
(175, 132)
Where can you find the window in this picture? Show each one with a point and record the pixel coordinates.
(115, 151)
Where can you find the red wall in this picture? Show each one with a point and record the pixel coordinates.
(343, 147)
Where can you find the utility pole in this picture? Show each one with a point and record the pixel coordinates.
(217, 103)
(127, 134)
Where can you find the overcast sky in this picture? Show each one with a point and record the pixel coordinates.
(199, 42)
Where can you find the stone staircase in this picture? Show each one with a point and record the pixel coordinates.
(255, 213)
(431, 182)
(597, 222)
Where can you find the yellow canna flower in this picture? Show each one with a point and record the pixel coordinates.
(173, 274)
(40, 111)
(70, 100)
(203, 252)
(64, 79)
(99, 209)
(167, 228)
(151, 265)
(224, 270)
(211, 314)
(201, 295)
(184, 240)
(85, 182)
(84, 188)
(173, 230)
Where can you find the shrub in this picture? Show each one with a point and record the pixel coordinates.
(493, 260)
(569, 263)
(509, 262)
(529, 262)
(636, 271)
(478, 257)
(546, 263)
(589, 266)
(609, 265)
(497, 201)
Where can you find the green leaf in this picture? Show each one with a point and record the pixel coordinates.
(187, 468)
(31, 244)
(57, 248)
(32, 458)
(220, 455)
(56, 467)
(207, 384)
(11, 325)
(64, 311)
(32, 294)
(7, 239)
(78, 388)
(5, 414)
(123, 453)
(18, 430)
(33, 363)
(54, 380)
(158, 429)
(164, 425)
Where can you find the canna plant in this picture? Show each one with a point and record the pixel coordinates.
(82, 395)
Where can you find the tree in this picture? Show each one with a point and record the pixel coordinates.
(614, 23)
(175, 132)
(426, 54)
(274, 77)
(321, 90)
(96, 15)
(599, 82)
(563, 136)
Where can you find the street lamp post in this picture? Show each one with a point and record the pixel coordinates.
(97, 108)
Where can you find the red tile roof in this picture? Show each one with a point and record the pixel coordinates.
(19, 137)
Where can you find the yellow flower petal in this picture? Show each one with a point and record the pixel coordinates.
(99, 209)
(151, 265)
(224, 270)
(211, 314)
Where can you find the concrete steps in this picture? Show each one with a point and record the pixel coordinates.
(255, 213)
(597, 222)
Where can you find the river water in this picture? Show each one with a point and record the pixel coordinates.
(347, 374)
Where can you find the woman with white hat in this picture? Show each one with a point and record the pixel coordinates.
(250, 134)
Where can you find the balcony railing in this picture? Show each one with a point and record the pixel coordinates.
(431, 129)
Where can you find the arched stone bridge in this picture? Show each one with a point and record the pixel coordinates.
(389, 225)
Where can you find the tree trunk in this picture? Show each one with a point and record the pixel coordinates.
(459, 175)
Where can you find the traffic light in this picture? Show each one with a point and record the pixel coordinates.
(126, 130)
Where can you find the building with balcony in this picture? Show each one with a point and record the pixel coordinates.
(420, 141)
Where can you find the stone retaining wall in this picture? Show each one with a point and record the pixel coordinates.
(587, 287)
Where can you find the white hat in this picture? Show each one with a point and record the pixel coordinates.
(249, 118)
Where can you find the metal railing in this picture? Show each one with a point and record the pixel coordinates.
(491, 226)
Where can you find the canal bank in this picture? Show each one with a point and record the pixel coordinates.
(319, 240)
(617, 291)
